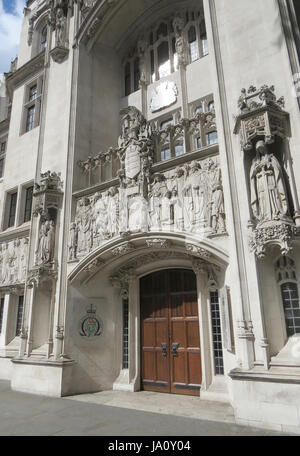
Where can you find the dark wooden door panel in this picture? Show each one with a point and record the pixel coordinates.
(170, 333)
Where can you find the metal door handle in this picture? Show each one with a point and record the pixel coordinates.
(164, 349)
(174, 349)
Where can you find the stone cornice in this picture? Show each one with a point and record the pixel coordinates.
(20, 231)
(21, 74)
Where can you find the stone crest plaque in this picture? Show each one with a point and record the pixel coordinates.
(90, 325)
(132, 161)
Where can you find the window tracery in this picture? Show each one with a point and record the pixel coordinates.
(287, 279)
(164, 47)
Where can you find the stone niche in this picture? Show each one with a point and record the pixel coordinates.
(263, 127)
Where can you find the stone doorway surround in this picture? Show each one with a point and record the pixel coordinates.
(128, 259)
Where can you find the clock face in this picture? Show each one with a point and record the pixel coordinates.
(164, 95)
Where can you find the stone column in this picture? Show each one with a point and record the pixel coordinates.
(200, 269)
(30, 318)
(134, 332)
(6, 333)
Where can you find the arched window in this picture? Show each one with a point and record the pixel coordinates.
(286, 277)
(43, 38)
(290, 301)
(127, 79)
(136, 74)
(160, 57)
(163, 60)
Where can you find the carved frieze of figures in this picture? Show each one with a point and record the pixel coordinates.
(184, 199)
(13, 261)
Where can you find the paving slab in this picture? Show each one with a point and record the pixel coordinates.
(100, 414)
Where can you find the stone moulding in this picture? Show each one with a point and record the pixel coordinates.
(30, 68)
(59, 53)
(280, 234)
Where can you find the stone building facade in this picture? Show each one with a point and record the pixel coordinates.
(150, 220)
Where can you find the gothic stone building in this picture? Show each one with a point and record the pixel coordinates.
(150, 220)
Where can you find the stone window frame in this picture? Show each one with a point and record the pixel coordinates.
(39, 27)
(201, 105)
(285, 274)
(193, 18)
(22, 203)
(10, 316)
(32, 102)
(175, 115)
(3, 141)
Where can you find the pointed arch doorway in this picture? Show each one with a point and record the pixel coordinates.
(170, 339)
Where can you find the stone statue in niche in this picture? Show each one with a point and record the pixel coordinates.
(269, 199)
(46, 242)
(60, 32)
(180, 44)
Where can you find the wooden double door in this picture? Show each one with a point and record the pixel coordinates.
(170, 340)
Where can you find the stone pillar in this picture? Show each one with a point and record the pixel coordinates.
(6, 330)
(134, 332)
(30, 318)
(200, 269)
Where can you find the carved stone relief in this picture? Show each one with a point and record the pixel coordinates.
(262, 119)
(13, 261)
(186, 199)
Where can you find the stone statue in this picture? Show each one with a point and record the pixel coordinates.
(217, 221)
(60, 33)
(160, 205)
(84, 224)
(180, 44)
(73, 241)
(269, 200)
(46, 242)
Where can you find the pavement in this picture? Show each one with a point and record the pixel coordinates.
(114, 413)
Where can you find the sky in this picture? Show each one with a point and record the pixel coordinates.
(11, 15)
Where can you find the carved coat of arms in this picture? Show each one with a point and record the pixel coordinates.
(90, 325)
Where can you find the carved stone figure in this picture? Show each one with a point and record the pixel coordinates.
(217, 221)
(188, 198)
(269, 200)
(73, 241)
(13, 261)
(84, 224)
(180, 44)
(160, 202)
(46, 242)
(60, 32)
